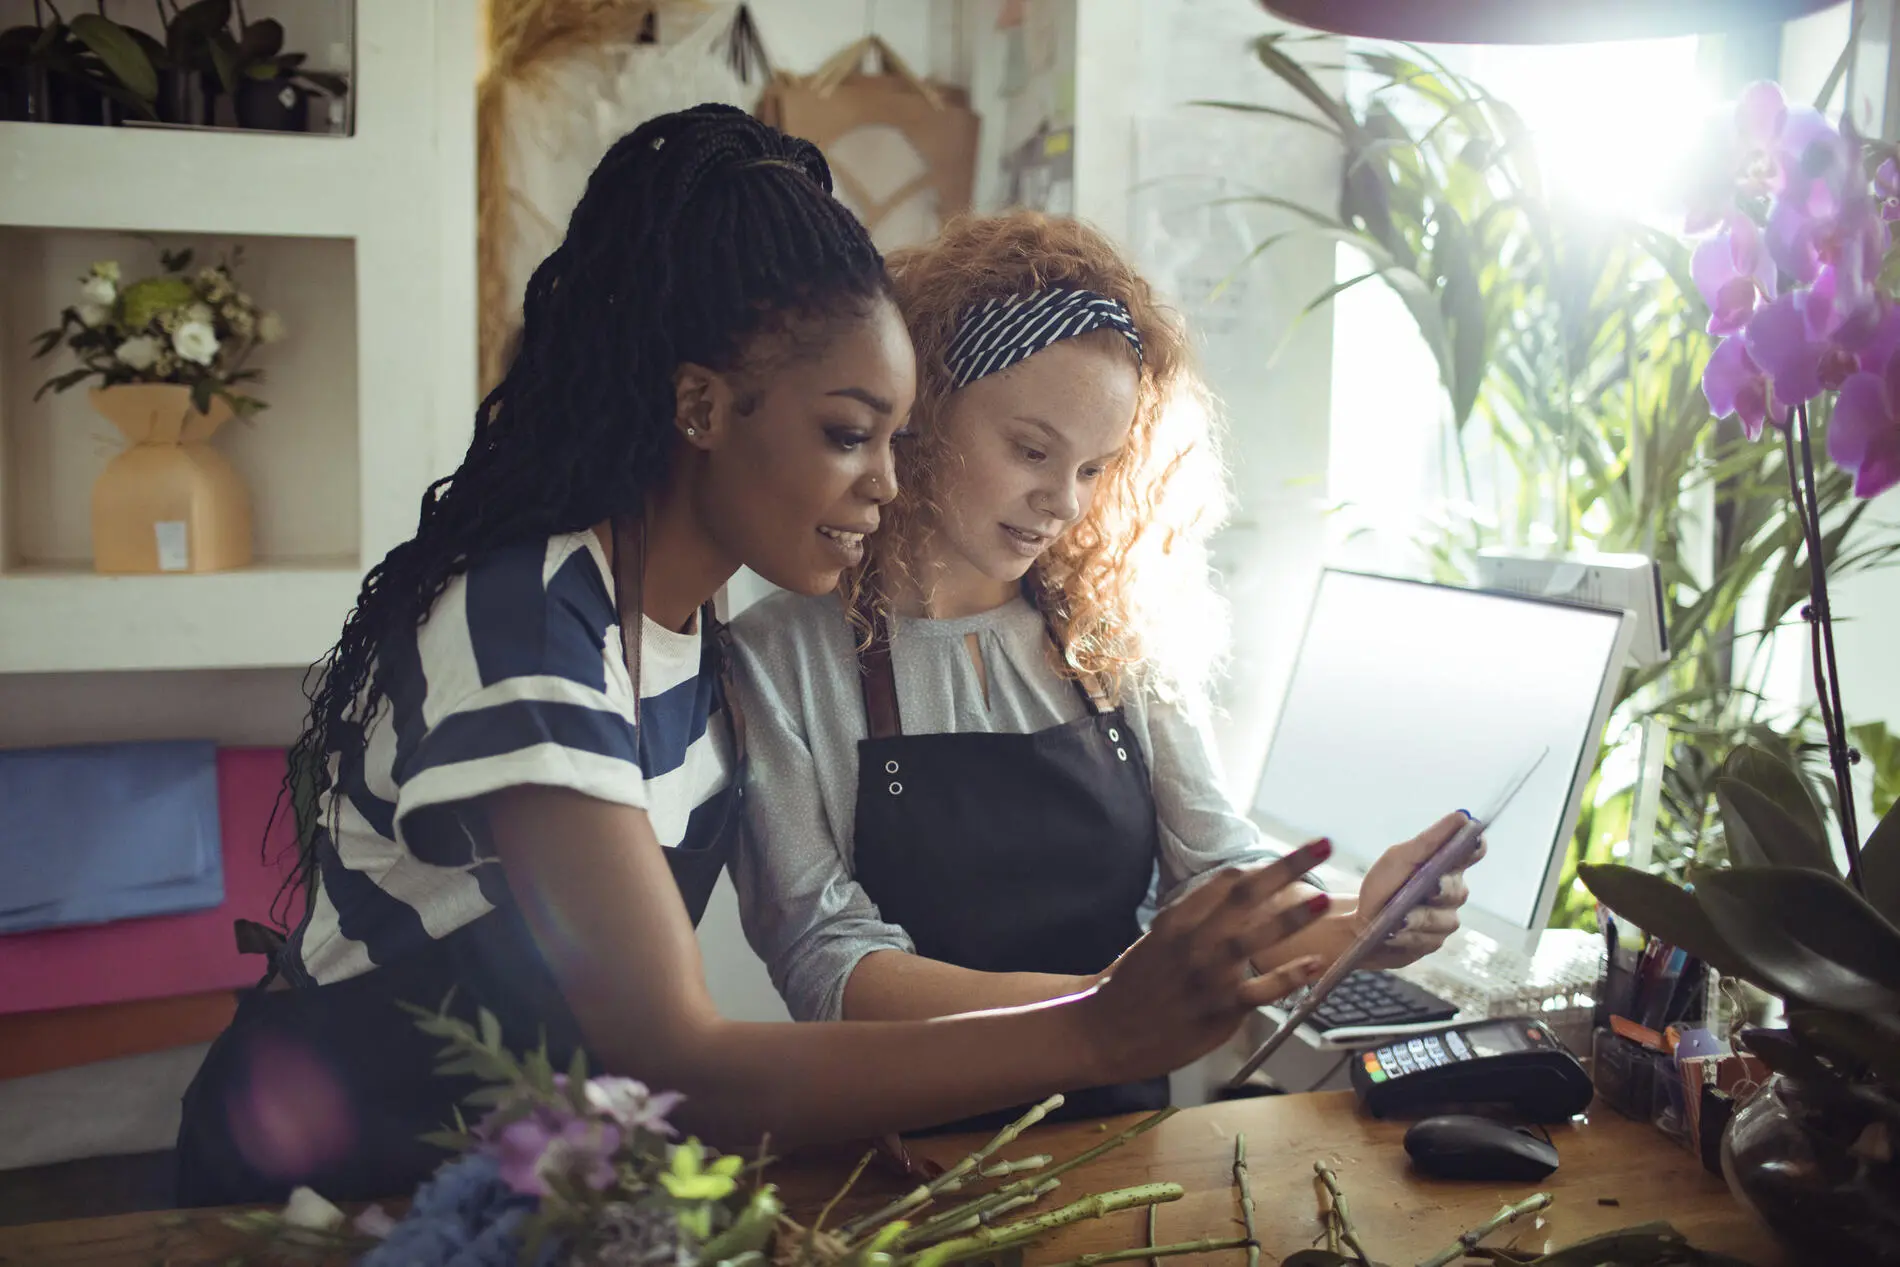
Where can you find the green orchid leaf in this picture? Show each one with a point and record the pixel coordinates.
(1665, 910)
(261, 41)
(1761, 833)
(188, 36)
(1786, 1053)
(1806, 935)
(224, 60)
(122, 55)
(1848, 1040)
(1880, 867)
(1773, 777)
(326, 82)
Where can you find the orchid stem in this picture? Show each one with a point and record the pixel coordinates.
(1468, 1241)
(993, 1238)
(1340, 1213)
(1154, 1253)
(1245, 1187)
(1820, 617)
(952, 1179)
(839, 1195)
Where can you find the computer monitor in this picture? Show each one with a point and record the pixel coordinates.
(1410, 700)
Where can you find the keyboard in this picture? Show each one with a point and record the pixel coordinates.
(1379, 998)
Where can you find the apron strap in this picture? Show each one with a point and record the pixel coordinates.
(880, 681)
(1094, 698)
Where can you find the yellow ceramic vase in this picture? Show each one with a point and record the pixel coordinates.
(170, 502)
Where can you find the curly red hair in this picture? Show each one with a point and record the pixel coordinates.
(1128, 586)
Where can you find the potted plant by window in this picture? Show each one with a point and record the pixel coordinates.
(1799, 272)
(168, 353)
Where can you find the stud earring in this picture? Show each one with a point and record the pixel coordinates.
(692, 431)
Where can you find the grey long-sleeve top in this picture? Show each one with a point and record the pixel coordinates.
(803, 912)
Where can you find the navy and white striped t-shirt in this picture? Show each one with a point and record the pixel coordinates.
(515, 678)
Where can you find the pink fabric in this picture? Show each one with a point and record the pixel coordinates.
(167, 955)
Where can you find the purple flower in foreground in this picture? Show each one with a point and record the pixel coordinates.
(1734, 384)
(1800, 366)
(1864, 434)
(1733, 272)
(631, 1106)
(547, 1143)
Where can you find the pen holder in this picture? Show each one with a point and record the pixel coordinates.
(1641, 1083)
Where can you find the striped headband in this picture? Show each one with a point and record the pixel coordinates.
(997, 333)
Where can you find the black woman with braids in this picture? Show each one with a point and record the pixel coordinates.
(530, 767)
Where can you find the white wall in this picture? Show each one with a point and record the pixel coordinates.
(1154, 170)
(266, 706)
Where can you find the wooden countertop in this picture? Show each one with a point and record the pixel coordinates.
(1401, 1218)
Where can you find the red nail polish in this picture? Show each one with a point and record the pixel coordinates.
(1319, 850)
(1318, 904)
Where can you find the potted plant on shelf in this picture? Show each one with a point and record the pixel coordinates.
(168, 352)
(1799, 271)
(269, 88)
(89, 71)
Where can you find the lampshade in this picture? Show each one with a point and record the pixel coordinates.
(1536, 21)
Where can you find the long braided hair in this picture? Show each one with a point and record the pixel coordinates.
(698, 233)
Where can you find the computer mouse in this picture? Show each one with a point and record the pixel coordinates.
(1459, 1146)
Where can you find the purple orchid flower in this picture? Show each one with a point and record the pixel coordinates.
(1737, 153)
(1734, 384)
(1887, 189)
(1761, 113)
(1800, 366)
(1864, 434)
(1813, 163)
(1733, 272)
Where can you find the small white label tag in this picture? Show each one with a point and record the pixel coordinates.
(174, 548)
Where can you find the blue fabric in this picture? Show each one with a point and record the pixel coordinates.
(108, 832)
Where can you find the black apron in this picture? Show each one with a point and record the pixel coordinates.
(1009, 853)
(368, 1047)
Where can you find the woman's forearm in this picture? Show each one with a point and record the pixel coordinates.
(810, 1083)
(889, 985)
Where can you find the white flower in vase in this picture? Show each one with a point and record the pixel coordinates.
(99, 290)
(240, 320)
(140, 352)
(108, 269)
(270, 328)
(196, 341)
(201, 313)
(92, 316)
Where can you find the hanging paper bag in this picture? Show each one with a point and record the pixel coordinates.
(902, 149)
